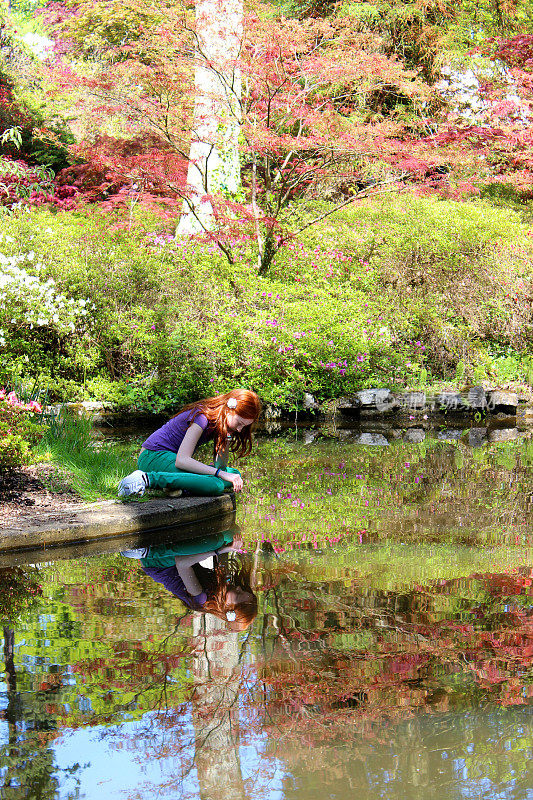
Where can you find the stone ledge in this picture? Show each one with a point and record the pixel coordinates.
(379, 402)
(108, 519)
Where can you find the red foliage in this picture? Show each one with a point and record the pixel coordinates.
(517, 51)
(114, 170)
(31, 185)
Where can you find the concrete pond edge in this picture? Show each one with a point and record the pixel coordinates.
(110, 519)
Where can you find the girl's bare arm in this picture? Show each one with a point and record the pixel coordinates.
(186, 462)
(222, 457)
(184, 566)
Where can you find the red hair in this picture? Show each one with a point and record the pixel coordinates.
(217, 584)
(218, 603)
(216, 410)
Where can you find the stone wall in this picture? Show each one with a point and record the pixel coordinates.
(376, 403)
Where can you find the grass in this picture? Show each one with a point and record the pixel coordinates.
(92, 468)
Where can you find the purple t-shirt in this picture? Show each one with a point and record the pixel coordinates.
(171, 580)
(170, 436)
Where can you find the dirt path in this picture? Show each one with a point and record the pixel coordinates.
(26, 493)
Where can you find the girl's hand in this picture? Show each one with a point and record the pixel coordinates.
(232, 478)
(234, 547)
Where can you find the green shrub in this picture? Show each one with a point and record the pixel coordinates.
(396, 292)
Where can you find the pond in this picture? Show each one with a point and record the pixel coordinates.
(391, 656)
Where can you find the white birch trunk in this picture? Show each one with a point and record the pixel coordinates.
(214, 153)
(215, 710)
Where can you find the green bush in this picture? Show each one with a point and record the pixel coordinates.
(395, 292)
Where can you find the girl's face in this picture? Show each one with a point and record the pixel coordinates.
(238, 595)
(236, 423)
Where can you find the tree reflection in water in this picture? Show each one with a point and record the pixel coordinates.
(339, 690)
(26, 755)
(340, 684)
(215, 709)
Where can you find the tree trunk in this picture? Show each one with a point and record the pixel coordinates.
(214, 153)
(217, 678)
(267, 251)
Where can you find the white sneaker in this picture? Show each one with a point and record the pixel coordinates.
(136, 483)
(137, 552)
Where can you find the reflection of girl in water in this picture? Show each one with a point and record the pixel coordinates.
(223, 591)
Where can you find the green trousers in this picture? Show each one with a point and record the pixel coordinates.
(160, 466)
(164, 555)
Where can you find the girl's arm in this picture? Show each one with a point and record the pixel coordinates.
(186, 462)
(195, 558)
(184, 566)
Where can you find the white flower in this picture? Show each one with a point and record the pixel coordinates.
(231, 616)
(232, 403)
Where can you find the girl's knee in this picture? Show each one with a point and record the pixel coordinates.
(219, 486)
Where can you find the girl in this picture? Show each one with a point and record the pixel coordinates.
(166, 458)
(226, 593)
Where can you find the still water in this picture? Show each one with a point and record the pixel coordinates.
(391, 656)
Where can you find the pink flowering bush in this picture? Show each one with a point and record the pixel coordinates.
(32, 185)
(19, 431)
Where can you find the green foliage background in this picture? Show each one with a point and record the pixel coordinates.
(372, 295)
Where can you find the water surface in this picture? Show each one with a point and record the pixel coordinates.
(392, 655)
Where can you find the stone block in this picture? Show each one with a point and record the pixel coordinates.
(450, 401)
(414, 436)
(477, 437)
(450, 435)
(503, 434)
(380, 400)
(349, 406)
(373, 440)
(310, 403)
(502, 401)
(413, 401)
(476, 398)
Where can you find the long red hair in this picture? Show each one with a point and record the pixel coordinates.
(216, 410)
(217, 586)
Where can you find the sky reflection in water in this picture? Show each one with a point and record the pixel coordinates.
(391, 656)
